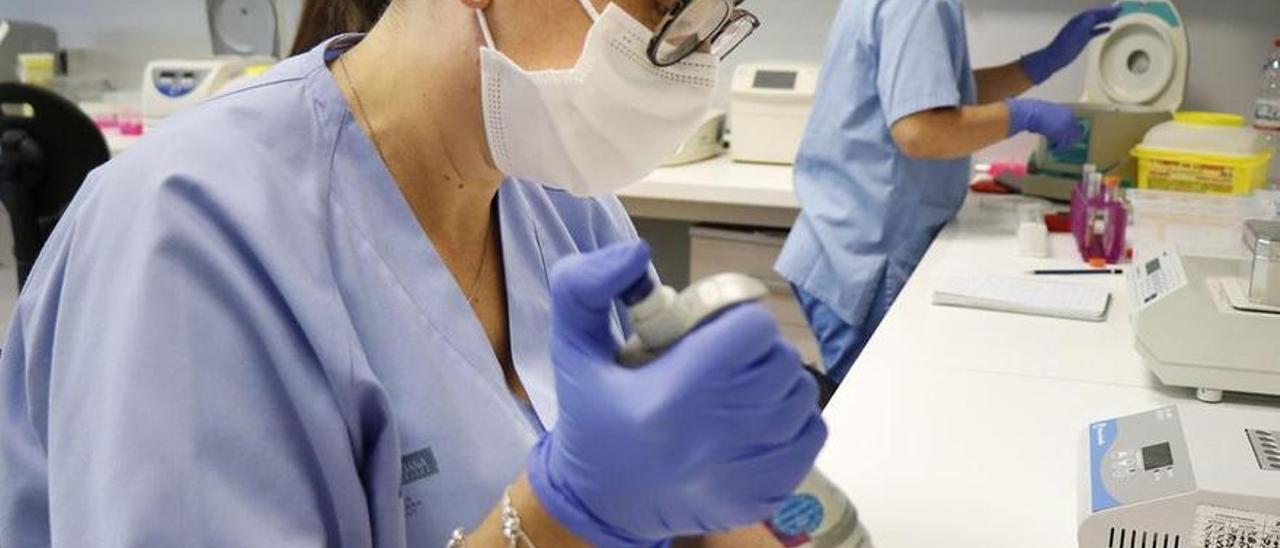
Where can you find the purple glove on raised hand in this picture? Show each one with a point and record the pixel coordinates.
(1069, 43)
(710, 436)
(1057, 122)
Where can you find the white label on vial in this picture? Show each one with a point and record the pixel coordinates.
(1218, 527)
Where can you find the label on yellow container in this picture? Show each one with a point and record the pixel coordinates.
(1190, 177)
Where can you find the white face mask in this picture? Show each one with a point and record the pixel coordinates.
(600, 126)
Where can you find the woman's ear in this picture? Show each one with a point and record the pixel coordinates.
(476, 4)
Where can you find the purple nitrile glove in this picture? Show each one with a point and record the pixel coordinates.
(710, 436)
(1054, 121)
(1069, 43)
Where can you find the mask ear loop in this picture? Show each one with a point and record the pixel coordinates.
(591, 10)
(484, 28)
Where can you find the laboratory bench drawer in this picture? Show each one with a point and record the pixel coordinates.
(752, 251)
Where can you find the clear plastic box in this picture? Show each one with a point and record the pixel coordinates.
(1196, 223)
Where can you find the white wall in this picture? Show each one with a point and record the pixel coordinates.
(1229, 38)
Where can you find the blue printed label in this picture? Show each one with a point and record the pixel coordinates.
(1101, 436)
(799, 515)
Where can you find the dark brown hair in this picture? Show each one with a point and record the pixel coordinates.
(324, 18)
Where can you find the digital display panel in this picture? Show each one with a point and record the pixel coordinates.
(1153, 266)
(774, 79)
(1157, 456)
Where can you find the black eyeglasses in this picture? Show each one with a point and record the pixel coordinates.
(692, 23)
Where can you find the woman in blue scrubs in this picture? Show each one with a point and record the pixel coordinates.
(885, 159)
(315, 312)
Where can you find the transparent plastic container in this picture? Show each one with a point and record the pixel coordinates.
(1196, 223)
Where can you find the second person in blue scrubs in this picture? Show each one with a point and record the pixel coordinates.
(885, 159)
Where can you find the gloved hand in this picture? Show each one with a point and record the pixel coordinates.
(1054, 121)
(1071, 40)
(710, 436)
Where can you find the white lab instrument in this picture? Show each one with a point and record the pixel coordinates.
(770, 108)
(1185, 476)
(1143, 60)
(18, 37)
(1195, 326)
(244, 27)
(169, 85)
(706, 142)
(1136, 76)
(1108, 134)
(245, 38)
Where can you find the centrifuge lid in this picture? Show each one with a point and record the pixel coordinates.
(1143, 60)
(244, 27)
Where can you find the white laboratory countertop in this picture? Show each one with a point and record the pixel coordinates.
(719, 181)
(981, 241)
(961, 428)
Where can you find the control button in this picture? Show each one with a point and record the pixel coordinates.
(1119, 474)
(1126, 463)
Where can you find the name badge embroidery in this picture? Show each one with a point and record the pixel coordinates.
(418, 465)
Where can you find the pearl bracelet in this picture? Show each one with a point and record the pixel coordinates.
(511, 529)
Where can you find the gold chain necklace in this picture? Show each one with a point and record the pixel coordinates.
(377, 147)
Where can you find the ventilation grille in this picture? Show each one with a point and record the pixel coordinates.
(1266, 446)
(1131, 538)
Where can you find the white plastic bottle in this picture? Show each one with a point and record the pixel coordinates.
(1266, 111)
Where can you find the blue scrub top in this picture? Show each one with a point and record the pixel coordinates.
(868, 211)
(240, 336)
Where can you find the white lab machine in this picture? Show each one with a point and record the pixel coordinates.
(245, 38)
(1185, 476)
(1202, 320)
(17, 37)
(1143, 60)
(769, 110)
(244, 27)
(705, 143)
(1136, 77)
(169, 85)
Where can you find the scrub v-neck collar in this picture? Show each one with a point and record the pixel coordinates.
(391, 227)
